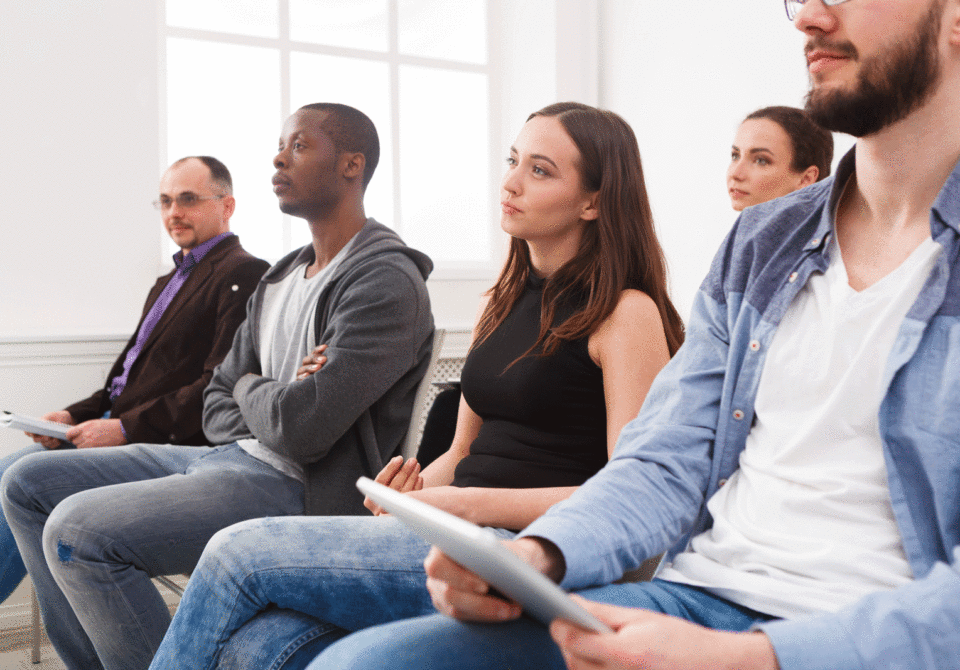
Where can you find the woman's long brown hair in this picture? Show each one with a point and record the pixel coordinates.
(619, 250)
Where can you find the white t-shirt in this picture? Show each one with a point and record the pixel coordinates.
(805, 524)
(287, 335)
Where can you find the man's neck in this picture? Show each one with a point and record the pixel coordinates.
(332, 232)
(884, 213)
(901, 169)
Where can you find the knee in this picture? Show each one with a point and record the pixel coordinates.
(231, 549)
(17, 482)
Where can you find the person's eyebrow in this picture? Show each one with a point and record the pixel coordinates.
(540, 157)
(759, 150)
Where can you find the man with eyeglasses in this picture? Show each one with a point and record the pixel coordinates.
(798, 460)
(154, 391)
(294, 427)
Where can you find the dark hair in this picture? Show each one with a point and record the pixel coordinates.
(812, 145)
(618, 251)
(219, 174)
(351, 130)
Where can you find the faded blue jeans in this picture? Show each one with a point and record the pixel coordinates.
(440, 643)
(94, 525)
(273, 593)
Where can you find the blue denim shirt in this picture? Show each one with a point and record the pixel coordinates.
(688, 438)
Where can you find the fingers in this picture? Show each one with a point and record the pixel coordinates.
(459, 593)
(579, 647)
(312, 363)
(398, 475)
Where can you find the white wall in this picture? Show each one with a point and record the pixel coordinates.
(684, 74)
(78, 127)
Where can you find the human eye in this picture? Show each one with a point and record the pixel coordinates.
(187, 199)
(734, 155)
(762, 161)
(511, 161)
(165, 201)
(537, 170)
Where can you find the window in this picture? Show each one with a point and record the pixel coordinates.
(421, 69)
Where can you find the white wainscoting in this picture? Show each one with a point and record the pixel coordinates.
(39, 376)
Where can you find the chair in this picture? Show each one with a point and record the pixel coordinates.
(423, 397)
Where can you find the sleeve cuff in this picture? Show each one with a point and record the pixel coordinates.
(811, 643)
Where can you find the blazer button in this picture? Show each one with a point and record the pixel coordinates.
(234, 288)
(738, 414)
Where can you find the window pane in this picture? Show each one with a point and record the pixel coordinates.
(357, 24)
(243, 17)
(443, 29)
(224, 100)
(359, 83)
(445, 190)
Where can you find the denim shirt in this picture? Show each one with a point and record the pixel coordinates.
(688, 437)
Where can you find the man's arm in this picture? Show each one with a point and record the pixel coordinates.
(382, 319)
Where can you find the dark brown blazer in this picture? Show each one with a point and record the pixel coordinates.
(163, 399)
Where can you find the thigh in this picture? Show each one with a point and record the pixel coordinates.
(277, 638)
(438, 642)
(678, 600)
(353, 572)
(162, 524)
(46, 478)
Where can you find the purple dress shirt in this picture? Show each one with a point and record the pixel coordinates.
(185, 263)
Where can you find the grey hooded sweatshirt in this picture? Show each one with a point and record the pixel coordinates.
(350, 417)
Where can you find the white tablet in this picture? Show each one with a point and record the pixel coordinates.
(35, 426)
(479, 550)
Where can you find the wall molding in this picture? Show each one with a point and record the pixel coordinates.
(94, 350)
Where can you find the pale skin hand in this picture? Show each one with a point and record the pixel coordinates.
(461, 594)
(97, 433)
(655, 641)
(400, 476)
(60, 416)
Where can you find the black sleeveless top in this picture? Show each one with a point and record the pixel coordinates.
(544, 418)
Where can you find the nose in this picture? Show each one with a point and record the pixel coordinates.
(280, 159)
(736, 170)
(511, 181)
(815, 16)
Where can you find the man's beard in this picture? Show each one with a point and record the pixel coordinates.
(890, 86)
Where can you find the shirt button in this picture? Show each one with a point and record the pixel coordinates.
(172, 438)
(793, 277)
(721, 482)
(754, 345)
(738, 414)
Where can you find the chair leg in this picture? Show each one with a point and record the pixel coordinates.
(35, 625)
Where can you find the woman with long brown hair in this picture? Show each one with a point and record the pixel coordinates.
(566, 346)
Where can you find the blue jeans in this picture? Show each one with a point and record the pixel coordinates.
(273, 593)
(12, 569)
(437, 642)
(94, 525)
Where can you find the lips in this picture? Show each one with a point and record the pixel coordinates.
(507, 208)
(280, 183)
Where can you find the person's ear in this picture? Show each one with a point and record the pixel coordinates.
(809, 176)
(353, 165)
(229, 206)
(952, 19)
(590, 211)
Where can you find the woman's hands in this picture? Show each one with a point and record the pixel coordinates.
(400, 476)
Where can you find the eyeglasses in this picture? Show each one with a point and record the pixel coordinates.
(793, 6)
(184, 200)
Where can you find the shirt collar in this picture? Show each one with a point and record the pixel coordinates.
(945, 211)
(186, 262)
